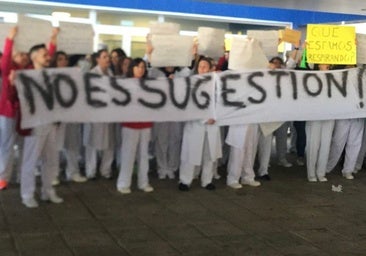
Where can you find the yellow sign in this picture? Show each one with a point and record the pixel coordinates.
(329, 44)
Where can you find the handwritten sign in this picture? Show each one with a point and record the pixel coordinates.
(268, 40)
(329, 44)
(211, 42)
(291, 36)
(164, 28)
(32, 31)
(246, 53)
(171, 51)
(361, 48)
(75, 38)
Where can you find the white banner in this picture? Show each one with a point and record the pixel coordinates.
(68, 95)
(285, 95)
(256, 96)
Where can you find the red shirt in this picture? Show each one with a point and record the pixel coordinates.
(138, 125)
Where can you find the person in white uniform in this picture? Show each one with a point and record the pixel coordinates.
(347, 135)
(99, 136)
(41, 144)
(167, 136)
(201, 146)
(135, 142)
(318, 139)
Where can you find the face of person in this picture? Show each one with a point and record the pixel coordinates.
(324, 66)
(125, 64)
(114, 58)
(277, 63)
(21, 59)
(139, 70)
(62, 61)
(103, 61)
(203, 67)
(41, 58)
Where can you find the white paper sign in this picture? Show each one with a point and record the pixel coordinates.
(268, 41)
(73, 96)
(246, 53)
(211, 42)
(164, 28)
(361, 48)
(32, 31)
(75, 38)
(4, 31)
(171, 51)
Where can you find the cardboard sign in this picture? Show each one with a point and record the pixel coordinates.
(211, 42)
(361, 48)
(291, 36)
(164, 28)
(75, 38)
(268, 40)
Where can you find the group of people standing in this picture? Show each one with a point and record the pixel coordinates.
(192, 149)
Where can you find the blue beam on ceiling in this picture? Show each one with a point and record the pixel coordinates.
(297, 17)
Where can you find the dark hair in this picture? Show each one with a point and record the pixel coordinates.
(36, 47)
(207, 59)
(278, 59)
(121, 53)
(55, 56)
(134, 63)
(98, 53)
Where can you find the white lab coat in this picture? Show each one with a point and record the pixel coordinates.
(193, 142)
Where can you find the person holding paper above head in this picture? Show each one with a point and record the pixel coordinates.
(40, 145)
(99, 136)
(318, 140)
(135, 143)
(9, 62)
(201, 145)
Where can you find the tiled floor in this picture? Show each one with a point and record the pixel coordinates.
(285, 216)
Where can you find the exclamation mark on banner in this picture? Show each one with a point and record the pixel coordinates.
(360, 86)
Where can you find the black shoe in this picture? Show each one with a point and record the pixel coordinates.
(183, 187)
(265, 177)
(210, 186)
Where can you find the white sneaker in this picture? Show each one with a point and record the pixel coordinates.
(284, 163)
(148, 189)
(52, 197)
(56, 182)
(348, 176)
(30, 202)
(78, 178)
(252, 183)
(235, 185)
(322, 179)
(124, 191)
(312, 179)
(300, 161)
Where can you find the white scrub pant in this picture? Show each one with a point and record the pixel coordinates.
(41, 145)
(7, 139)
(264, 153)
(91, 161)
(135, 142)
(168, 146)
(187, 170)
(347, 135)
(241, 161)
(318, 139)
(72, 159)
(361, 154)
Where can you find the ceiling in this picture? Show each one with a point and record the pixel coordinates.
(357, 7)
